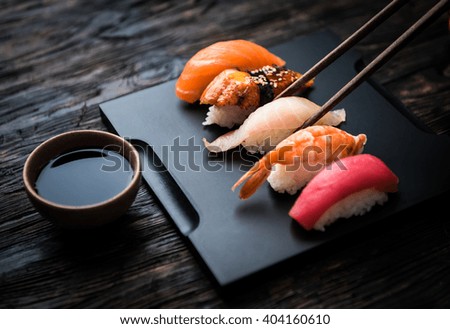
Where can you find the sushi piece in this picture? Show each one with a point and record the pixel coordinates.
(272, 123)
(298, 158)
(235, 94)
(344, 189)
(206, 64)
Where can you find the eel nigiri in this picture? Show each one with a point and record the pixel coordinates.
(206, 64)
(272, 123)
(341, 190)
(298, 158)
(235, 94)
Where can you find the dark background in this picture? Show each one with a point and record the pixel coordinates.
(60, 59)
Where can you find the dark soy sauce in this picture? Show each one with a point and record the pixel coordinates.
(84, 177)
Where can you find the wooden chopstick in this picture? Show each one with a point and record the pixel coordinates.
(382, 58)
(364, 30)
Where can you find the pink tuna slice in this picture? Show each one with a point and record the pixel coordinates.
(339, 180)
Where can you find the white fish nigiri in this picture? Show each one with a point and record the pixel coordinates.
(272, 123)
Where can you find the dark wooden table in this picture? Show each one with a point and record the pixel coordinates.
(60, 59)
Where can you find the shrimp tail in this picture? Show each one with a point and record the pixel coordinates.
(258, 174)
(254, 178)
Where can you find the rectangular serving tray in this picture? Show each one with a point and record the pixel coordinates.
(238, 238)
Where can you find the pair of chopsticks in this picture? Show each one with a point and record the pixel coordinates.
(382, 58)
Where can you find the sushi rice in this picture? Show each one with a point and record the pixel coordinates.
(226, 116)
(356, 204)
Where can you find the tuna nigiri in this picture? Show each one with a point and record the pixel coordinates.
(235, 94)
(343, 189)
(206, 64)
(272, 123)
(298, 158)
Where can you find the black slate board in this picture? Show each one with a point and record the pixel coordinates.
(238, 238)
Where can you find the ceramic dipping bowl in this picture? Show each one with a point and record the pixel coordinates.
(89, 215)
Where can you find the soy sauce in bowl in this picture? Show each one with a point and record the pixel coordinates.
(84, 177)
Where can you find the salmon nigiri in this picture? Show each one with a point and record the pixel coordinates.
(206, 64)
(350, 187)
(298, 158)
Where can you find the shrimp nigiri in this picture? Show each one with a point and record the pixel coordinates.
(235, 94)
(272, 123)
(298, 158)
(343, 190)
(206, 64)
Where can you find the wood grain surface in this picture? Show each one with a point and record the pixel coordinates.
(60, 59)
